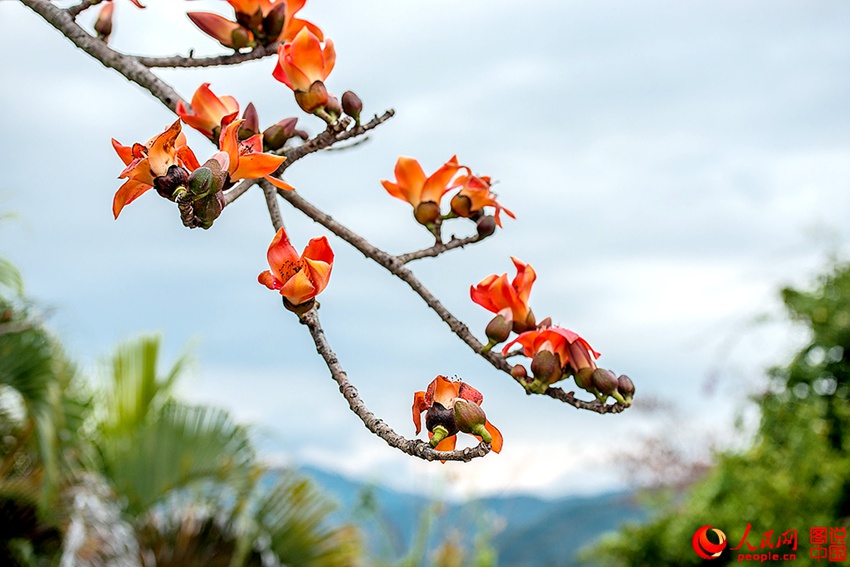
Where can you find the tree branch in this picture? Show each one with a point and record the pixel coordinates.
(76, 10)
(217, 60)
(127, 65)
(414, 447)
(438, 248)
(270, 191)
(336, 132)
(394, 265)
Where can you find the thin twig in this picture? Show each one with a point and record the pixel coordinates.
(438, 248)
(414, 447)
(238, 190)
(77, 9)
(270, 192)
(127, 65)
(394, 265)
(335, 133)
(214, 61)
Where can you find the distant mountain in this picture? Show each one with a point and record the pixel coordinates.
(525, 530)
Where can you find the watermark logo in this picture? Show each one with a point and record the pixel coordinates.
(704, 547)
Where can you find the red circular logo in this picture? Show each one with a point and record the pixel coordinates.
(705, 548)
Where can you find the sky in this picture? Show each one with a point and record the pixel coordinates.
(672, 165)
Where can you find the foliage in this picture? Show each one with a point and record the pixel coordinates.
(186, 477)
(796, 472)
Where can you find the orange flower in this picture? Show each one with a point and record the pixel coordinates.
(571, 348)
(303, 65)
(267, 21)
(303, 61)
(246, 159)
(423, 193)
(474, 195)
(446, 404)
(163, 158)
(208, 111)
(298, 278)
(510, 300)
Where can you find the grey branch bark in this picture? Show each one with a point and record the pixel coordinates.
(214, 61)
(414, 447)
(127, 65)
(396, 267)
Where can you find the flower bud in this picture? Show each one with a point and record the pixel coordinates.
(485, 226)
(544, 324)
(200, 182)
(427, 212)
(250, 21)
(604, 380)
(313, 99)
(584, 379)
(527, 325)
(440, 416)
(470, 418)
(167, 184)
(208, 208)
(240, 37)
(498, 329)
(545, 367)
(626, 388)
(352, 105)
(274, 21)
(251, 125)
(333, 108)
(519, 372)
(103, 24)
(461, 205)
(276, 135)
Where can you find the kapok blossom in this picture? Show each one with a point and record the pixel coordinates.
(474, 195)
(208, 112)
(303, 65)
(509, 299)
(299, 279)
(246, 159)
(266, 21)
(423, 192)
(146, 163)
(446, 403)
(569, 346)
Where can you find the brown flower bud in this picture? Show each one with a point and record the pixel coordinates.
(273, 22)
(461, 205)
(251, 125)
(519, 372)
(584, 379)
(250, 21)
(241, 37)
(527, 325)
(427, 212)
(103, 24)
(352, 105)
(470, 418)
(333, 108)
(485, 226)
(498, 329)
(546, 367)
(604, 380)
(276, 135)
(313, 99)
(208, 208)
(167, 184)
(626, 389)
(440, 416)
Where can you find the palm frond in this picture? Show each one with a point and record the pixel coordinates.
(182, 445)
